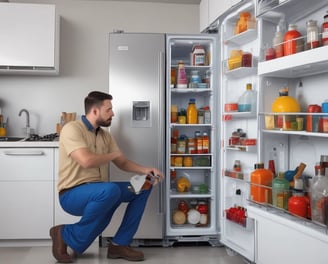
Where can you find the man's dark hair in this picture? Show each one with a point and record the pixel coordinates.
(95, 98)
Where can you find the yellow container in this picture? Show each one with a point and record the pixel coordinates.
(235, 59)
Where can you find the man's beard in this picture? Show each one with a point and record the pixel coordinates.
(103, 123)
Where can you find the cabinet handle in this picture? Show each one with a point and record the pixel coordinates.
(24, 153)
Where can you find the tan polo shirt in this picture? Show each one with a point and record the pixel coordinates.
(76, 135)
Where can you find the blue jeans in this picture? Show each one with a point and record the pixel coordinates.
(96, 203)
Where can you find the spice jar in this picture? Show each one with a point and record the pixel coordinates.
(325, 31)
(312, 34)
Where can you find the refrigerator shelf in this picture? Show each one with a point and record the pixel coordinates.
(241, 72)
(189, 194)
(192, 168)
(296, 133)
(242, 38)
(172, 125)
(193, 66)
(191, 90)
(305, 63)
(227, 116)
(242, 148)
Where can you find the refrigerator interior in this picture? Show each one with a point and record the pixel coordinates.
(237, 230)
(201, 172)
(136, 82)
(305, 74)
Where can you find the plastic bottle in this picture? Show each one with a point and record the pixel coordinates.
(280, 191)
(247, 101)
(292, 40)
(182, 76)
(260, 178)
(325, 30)
(278, 42)
(319, 199)
(192, 113)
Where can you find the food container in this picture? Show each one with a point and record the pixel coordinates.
(232, 107)
(235, 59)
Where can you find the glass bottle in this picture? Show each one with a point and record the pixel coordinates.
(312, 34)
(247, 101)
(192, 113)
(319, 199)
(280, 191)
(292, 40)
(278, 43)
(325, 30)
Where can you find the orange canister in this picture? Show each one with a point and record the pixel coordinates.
(292, 41)
(260, 178)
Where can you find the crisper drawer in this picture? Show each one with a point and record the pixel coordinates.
(19, 164)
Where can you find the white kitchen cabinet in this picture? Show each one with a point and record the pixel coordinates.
(210, 10)
(61, 217)
(26, 192)
(29, 39)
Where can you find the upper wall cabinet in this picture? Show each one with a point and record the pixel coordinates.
(210, 10)
(29, 39)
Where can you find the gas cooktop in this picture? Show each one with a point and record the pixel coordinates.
(49, 137)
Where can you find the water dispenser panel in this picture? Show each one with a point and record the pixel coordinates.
(141, 114)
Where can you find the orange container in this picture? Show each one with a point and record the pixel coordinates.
(260, 178)
(292, 41)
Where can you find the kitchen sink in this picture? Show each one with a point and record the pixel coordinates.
(12, 139)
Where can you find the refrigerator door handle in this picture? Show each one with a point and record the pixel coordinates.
(161, 113)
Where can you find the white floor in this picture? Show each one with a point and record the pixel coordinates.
(96, 255)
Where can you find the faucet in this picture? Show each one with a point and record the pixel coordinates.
(28, 129)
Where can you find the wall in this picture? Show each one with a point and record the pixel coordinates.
(84, 57)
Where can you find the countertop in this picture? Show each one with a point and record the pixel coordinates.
(29, 144)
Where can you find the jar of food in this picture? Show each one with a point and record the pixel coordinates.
(198, 55)
(187, 161)
(246, 59)
(325, 31)
(293, 42)
(312, 34)
(181, 145)
(242, 23)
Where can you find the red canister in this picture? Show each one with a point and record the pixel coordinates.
(312, 121)
(298, 205)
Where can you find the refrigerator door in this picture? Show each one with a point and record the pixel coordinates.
(136, 82)
(238, 129)
(193, 168)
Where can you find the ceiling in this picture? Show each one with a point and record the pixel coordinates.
(191, 2)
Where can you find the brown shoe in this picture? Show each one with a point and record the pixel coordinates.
(125, 252)
(59, 248)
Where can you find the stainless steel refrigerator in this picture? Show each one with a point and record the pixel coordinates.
(137, 84)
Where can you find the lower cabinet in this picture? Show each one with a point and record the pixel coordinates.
(281, 240)
(61, 217)
(29, 203)
(26, 193)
